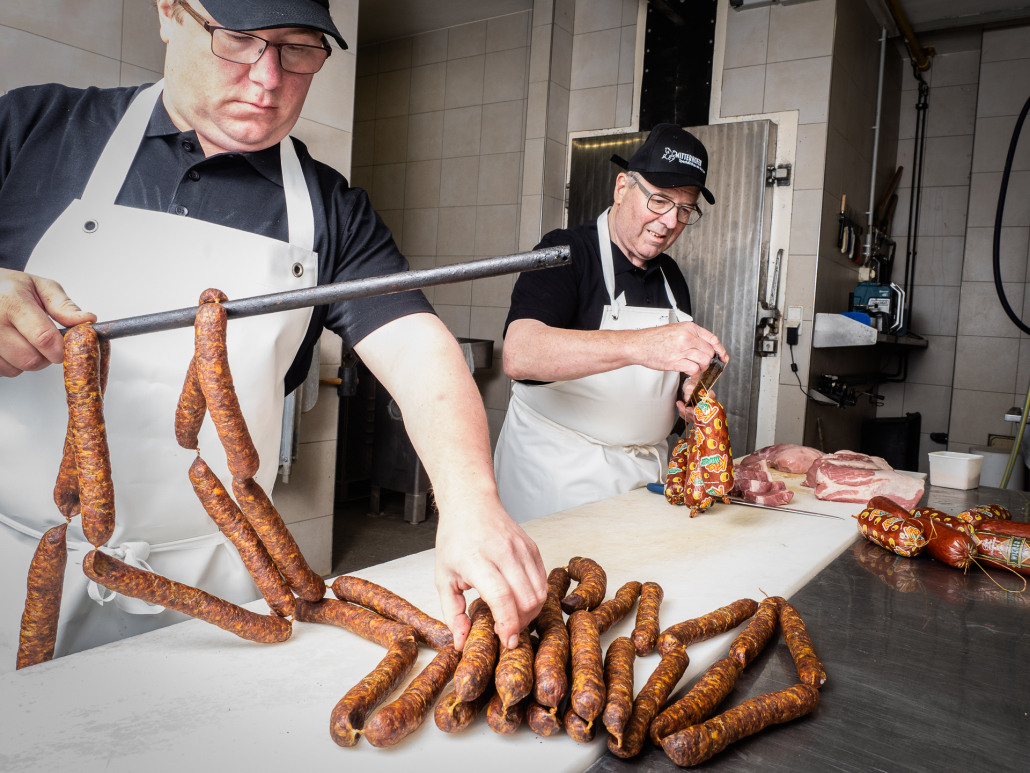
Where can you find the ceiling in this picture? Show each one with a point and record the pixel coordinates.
(380, 20)
(926, 15)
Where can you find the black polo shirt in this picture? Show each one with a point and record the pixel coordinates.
(573, 297)
(51, 137)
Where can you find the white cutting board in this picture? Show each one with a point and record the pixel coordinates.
(192, 697)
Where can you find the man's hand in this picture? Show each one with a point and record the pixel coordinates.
(491, 553)
(686, 412)
(682, 346)
(29, 339)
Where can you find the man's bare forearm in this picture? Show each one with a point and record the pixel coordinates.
(537, 352)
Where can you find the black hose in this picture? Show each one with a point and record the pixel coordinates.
(997, 222)
(915, 197)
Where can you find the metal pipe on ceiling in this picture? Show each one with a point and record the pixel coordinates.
(920, 56)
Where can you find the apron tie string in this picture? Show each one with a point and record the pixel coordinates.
(134, 554)
(645, 451)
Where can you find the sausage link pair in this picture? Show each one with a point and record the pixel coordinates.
(453, 714)
(234, 526)
(552, 656)
(514, 675)
(587, 694)
(579, 729)
(155, 589)
(89, 433)
(43, 599)
(698, 704)
(593, 583)
(504, 721)
(645, 635)
(612, 611)
(543, 720)
(707, 626)
(810, 668)
(348, 717)
(278, 541)
(650, 702)
(618, 684)
(389, 604)
(216, 383)
(368, 625)
(475, 672)
(756, 635)
(402, 717)
(698, 743)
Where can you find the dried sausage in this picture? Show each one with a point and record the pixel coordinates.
(543, 720)
(453, 714)
(1003, 550)
(650, 702)
(756, 635)
(592, 585)
(810, 668)
(348, 717)
(514, 675)
(698, 743)
(389, 604)
(552, 656)
(402, 717)
(278, 541)
(698, 704)
(949, 546)
(578, 728)
(618, 683)
(232, 524)
(587, 694)
(43, 600)
(476, 669)
(897, 533)
(219, 392)
(89, 434)
(366, 624)
(139, 584)
(189, 413)
(645, 635)
(612, 611)
(702, 628)
(502, 720)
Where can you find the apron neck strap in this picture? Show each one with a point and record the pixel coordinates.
(112, 168)
(604, 240)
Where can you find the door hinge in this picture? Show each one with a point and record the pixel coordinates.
(778, 175)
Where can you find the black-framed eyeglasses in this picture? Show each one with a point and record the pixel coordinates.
(244, 48)
(688, 214)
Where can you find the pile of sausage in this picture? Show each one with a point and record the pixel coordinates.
(85, 488)
(984, 535)
(555, 679)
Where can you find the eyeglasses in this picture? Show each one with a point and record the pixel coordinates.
(688, 214)
(244, 48)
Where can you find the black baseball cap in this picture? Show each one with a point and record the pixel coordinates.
(269, 14)
(671, 157)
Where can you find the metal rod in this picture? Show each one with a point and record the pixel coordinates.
(341, 291)
(876, 149)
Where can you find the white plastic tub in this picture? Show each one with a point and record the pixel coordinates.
(950, 469)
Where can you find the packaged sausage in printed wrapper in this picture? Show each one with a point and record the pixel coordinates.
(955, 522)
(891, 532)
(701, 468)
(1003, 550)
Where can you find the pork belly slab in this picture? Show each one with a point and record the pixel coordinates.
(850, 477)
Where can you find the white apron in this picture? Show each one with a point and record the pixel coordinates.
(571, 442)
(129, 262)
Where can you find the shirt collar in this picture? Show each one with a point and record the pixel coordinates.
(266, 162)
(622, 264)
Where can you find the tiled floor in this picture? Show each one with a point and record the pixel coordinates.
(361, 540)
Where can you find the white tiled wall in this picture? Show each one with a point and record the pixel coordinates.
(110, 43)
(439, 141)
(601, 77)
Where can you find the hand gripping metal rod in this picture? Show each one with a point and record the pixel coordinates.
(341, 291)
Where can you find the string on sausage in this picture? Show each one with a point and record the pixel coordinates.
(756, 635)
(649, 702)
(504, 721)
(366, 624)
(698, 704)
(612, 611)
(476, 669)
(645, 635)
(542, 720)
(43, 599)
(618, 683)
(592, 585)
(514, 675)
(453, 714)
(552, 656)
(705, 627)
(155, 589)
(587, 694)
(810, 668)
(579, 729)
(389, 604)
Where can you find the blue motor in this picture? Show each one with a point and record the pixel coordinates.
(885, 304)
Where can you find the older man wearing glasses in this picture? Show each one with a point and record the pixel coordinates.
(134, 200)
(597, 348)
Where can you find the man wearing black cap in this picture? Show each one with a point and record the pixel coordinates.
(136, 200)
(597, 348)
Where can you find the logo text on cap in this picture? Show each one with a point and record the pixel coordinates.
(683, 158)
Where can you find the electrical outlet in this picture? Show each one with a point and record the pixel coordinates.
(793, 318)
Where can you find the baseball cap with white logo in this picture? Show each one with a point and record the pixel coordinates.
(671, 157)
(257, 15)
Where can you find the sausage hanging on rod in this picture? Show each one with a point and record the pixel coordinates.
(513, 677)
(278, 541)
(89, 434)
(348, 717)
(189, 413)
(237, 529)
(698, 704)
(366, 624)
(705, 627)
(756, 635)
(612, 611)
(476, 669)
(453, 715)
(139, 584)
(650, 702)
(389, 604)
(543, 720)
(810, 668)
(592, 585)
(43, 600)
(645, 635)
(618, 683)
(402, 717)
(698, 743)
(552, 656)
(587, 694)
